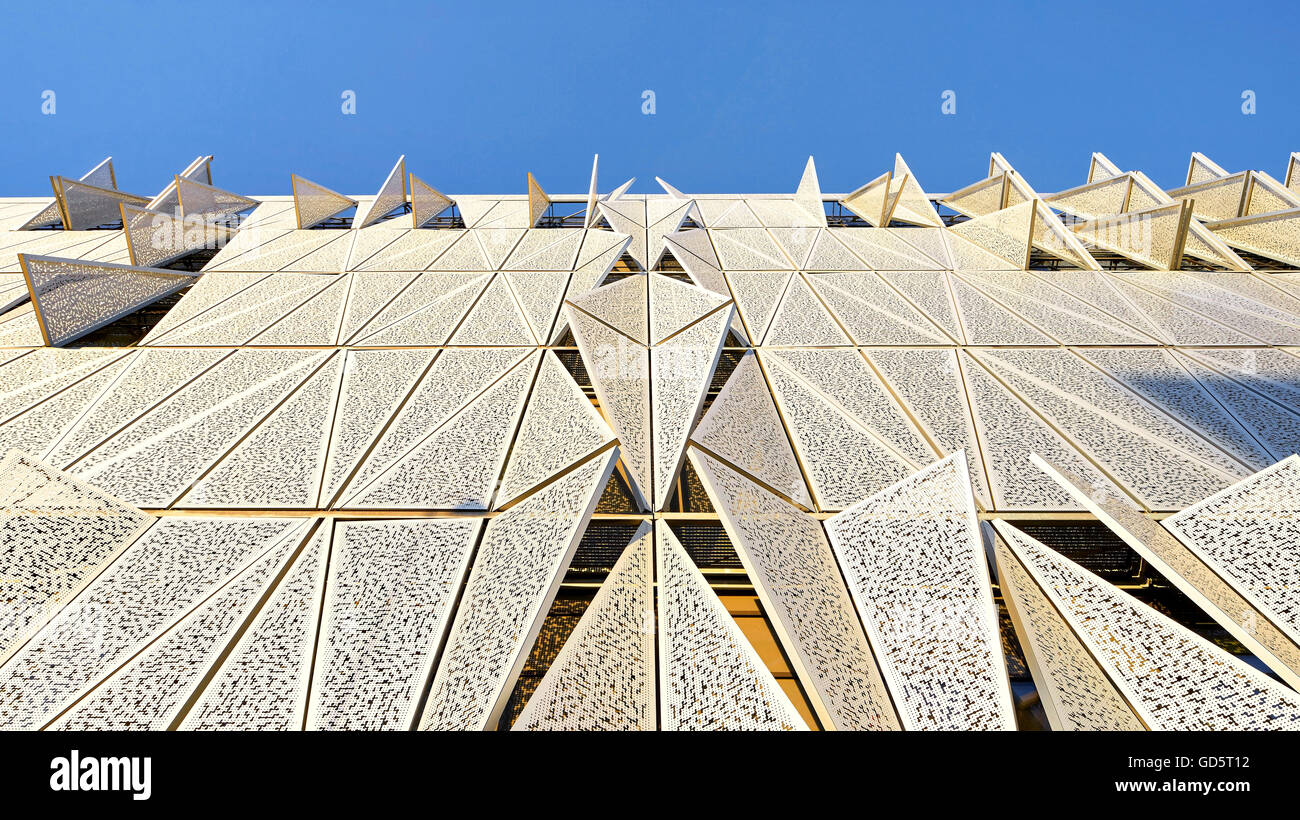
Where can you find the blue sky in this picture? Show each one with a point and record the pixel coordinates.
(477, 94)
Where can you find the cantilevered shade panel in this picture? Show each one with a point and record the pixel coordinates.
(457, 465)
(87, 206)
(154, 238)
(199, 170)
(1215, 198)
(313, 204)
(1203, 169)
(538, 201)
(1075, 692)
(690, 325)
(710, 678)
(1218, 594)
(160, 578)
(743, 427)
(199, 200)
(913, 206)
(600, 250)
(426, 202)
(1250, 535)
(56, 535)
(73, 298)
(1051, 235)
(154, 459)
(604, 677)
(1266, 195)
(101, 176)
(1172, 677)
(1153, 237)
(280, 463)
(388, 601)
(674, 305)
(1272, 235)
(619, 370)
(665, 218)
(871, 201)
(391, 196)
(915, 565)
(791, 564)
(518, 569)
(808, 196)
(1099, 197)
(693, 248)
(560, 428)
(681, 371)
(1006, 233)
(623, 305)
(273, 658)
(627, 216)
(979, 198)
(151, 689)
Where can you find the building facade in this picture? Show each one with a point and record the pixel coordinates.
(992, 459)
